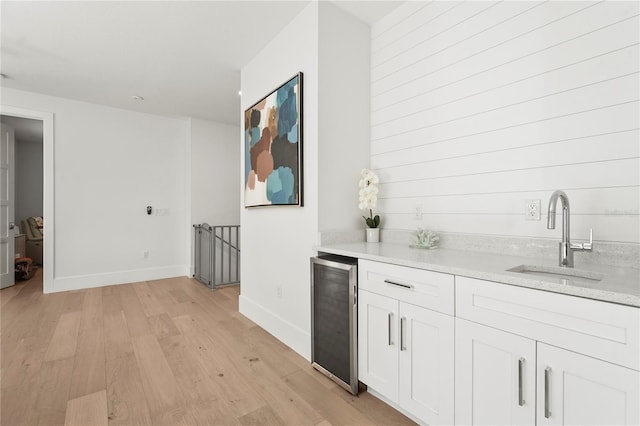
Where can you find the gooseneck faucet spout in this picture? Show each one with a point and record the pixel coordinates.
(565, 257)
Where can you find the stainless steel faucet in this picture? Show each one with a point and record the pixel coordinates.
(565, 257)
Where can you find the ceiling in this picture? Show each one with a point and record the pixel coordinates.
(183, 57)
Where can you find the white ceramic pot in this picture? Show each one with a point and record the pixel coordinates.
(373, 235)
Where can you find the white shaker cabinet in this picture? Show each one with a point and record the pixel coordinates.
(517, 356)
(495, 376)
(575, 389)
(500, 325)
(598, 329)
(377, 343)
(406, 352)
(426, 364)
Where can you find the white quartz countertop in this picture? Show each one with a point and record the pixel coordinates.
(618, 285)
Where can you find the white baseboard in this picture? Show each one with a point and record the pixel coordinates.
(289, 334)
(79, 282)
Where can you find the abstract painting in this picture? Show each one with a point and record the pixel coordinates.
(273, 148)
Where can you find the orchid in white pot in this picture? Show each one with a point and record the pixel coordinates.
(368, 196)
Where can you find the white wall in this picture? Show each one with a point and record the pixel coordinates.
(215, 171)
(215, 167)
(277, 241)
(478, 106)
(28, 179)
(343, 108)
(331, 49)
(109, 165)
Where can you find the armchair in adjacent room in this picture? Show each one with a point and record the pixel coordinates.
(32, 227)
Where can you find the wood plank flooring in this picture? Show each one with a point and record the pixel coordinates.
(165, 352)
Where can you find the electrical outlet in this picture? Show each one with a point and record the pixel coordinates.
(279, 292)
(532, 210)
(417, 212)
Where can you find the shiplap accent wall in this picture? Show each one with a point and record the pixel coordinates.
(479, 106)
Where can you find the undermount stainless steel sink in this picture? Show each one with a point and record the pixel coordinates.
(566, 274)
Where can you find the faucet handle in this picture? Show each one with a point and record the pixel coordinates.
(589, 245)
(584, 246)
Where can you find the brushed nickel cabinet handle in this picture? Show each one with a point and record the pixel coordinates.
(403, 321)
(398, 284)
(520, 384)
(389, 323)
(547, 380)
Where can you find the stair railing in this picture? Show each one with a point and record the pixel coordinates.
(217, 254)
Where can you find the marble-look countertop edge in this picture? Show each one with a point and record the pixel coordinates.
(500, 275)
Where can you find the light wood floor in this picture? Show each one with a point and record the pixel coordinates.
(159, 352)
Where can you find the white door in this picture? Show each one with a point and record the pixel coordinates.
(378, 327)
(426, 364)
(7, 146)
(495, 373)
(575, 389)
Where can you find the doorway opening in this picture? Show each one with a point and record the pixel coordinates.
(32, 198)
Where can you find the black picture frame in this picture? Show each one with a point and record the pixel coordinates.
(273, 139)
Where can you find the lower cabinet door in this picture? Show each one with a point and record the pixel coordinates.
(495, 375)
(575, 389)
(378, 327)
(426, 364)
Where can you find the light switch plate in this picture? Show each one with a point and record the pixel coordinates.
(417, 210)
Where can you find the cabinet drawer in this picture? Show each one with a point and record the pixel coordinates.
(432, 290)
(602, 330)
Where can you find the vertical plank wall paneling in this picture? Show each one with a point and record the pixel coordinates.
(479, 106)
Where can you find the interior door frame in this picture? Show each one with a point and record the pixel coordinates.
(48, 202)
